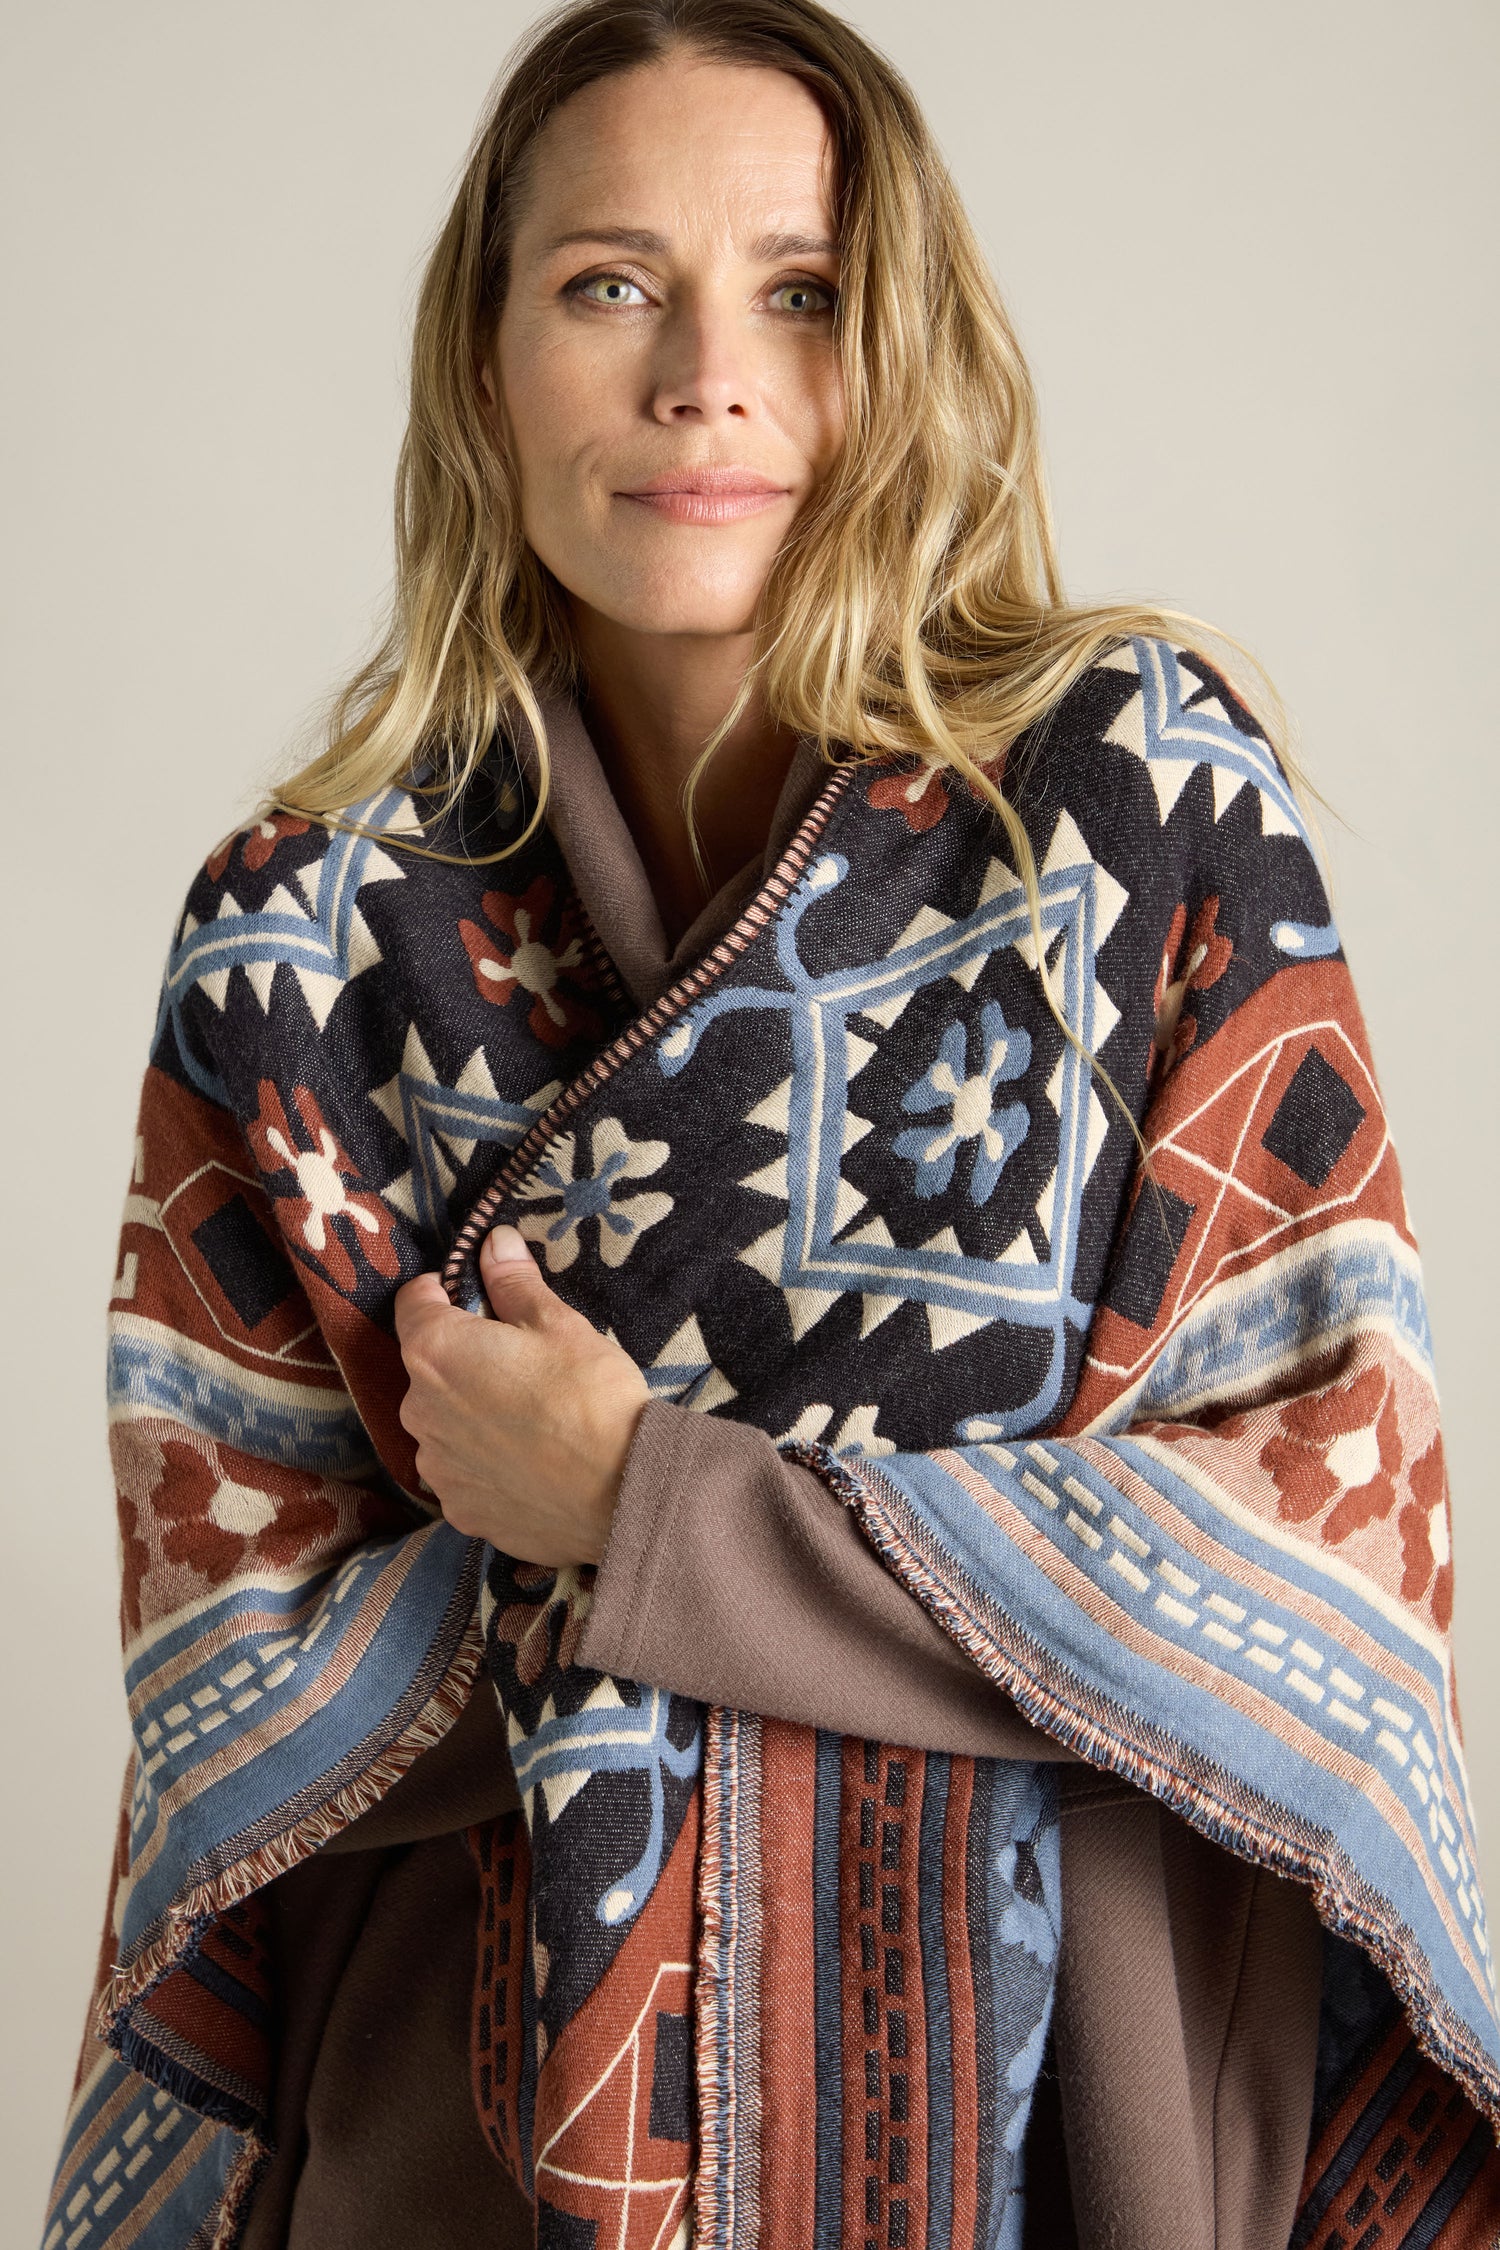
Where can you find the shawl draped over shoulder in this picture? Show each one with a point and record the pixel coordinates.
(1155, 1439)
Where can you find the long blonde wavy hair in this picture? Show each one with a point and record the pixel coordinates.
(916, 605)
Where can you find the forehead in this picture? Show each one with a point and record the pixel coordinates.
(678, 147)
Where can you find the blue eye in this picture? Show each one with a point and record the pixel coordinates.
(802, 298)
(609, 289)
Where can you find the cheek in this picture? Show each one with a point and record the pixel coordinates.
(810, 402)
(541, 411)
(564, 404)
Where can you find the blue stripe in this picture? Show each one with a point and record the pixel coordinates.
(1262, 1759)
(985, 1552)
(321, 1433)
(347, 1728)
(192, 2203)
(938, 2011)
(1248, 1326)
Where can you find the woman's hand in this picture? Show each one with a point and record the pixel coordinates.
(522, 1423)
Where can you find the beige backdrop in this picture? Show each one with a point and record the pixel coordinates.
(1248, 250)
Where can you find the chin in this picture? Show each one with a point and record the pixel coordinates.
(685, 603)
(700, 620)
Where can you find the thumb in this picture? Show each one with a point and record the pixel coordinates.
(416, 1302)
(512, 1279)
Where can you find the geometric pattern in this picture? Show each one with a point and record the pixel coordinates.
(636, 2206)
(1140, 1585)
(324, 942)
(972, 1114)
(605, 1734)
(587, 1196)
(1234, 1526)
(683, 1371)
(1173, 739)
(827, 1244)
(1163, 1458)
(149, 2146)
(443, 1125)
(1240, 1214)
(1315, 1120)
(1260, 1649)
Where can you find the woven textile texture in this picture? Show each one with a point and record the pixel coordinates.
(1157, 1444)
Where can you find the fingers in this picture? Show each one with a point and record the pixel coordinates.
(513, 1281)
(415, 1303)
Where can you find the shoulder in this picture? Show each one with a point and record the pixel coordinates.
(286, 857)
(1178, 715)
(1151, 784)
(1168, 773)
(281, 917)
(313, 941)
(1160, 714)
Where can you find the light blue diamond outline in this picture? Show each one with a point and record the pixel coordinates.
(818, 1009)
(428, 1110)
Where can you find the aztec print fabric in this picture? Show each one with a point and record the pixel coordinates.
(1164, 1459)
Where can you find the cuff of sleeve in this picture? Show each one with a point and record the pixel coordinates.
(657, 1477)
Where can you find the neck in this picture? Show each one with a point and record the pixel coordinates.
(651, 704)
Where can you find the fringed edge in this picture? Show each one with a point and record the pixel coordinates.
(189, 1914)
(239, 2190)
(1209, 1799)
(170, 2075)
(713, 1940)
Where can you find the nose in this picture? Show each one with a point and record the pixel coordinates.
(702, 371)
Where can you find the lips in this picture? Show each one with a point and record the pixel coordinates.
(706, 496)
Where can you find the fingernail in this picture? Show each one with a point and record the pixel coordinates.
(503, 1246)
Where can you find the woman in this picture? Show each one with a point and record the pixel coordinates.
(948, 1496)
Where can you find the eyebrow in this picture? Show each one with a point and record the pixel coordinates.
(766, 251)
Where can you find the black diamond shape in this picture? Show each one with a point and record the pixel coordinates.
(1143, 1268)
(243, 1261)
(672, 2079)
(563, 2230)
(1316, 1119)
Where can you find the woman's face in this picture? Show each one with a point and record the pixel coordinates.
(665, 355)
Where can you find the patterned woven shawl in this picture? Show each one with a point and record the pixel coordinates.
(1160, 1449)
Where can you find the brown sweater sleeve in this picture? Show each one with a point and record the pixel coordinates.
(734, 1576)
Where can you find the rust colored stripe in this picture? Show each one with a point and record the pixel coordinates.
(789, 2134)
(501, 1851)
(1416, 2159)
(1350, 2110)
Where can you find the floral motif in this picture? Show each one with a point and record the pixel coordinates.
(1426, 1550)
(259, 840)
(539, 950)
(199, 1517)
(545, 1629)
(1191, 961)
(621, 1220)
(1342, 1445)
(969, 1100)
(323, 1173)
(920, 797)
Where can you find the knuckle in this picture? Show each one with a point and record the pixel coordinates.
(417, 1349)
